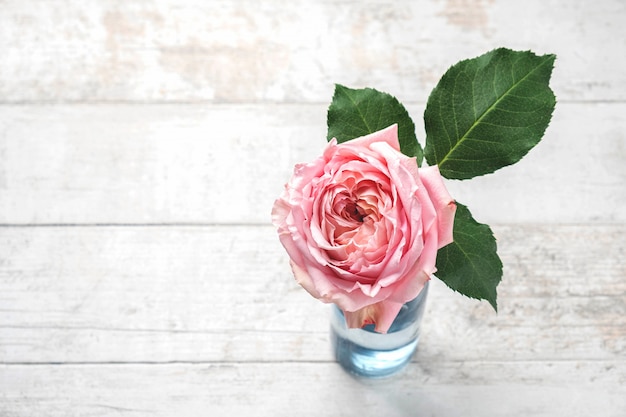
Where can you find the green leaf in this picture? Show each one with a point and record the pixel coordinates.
(470, 264)
(488, 112)
(356, 113)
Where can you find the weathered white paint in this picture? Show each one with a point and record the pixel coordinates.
(224, 293)
(243, 51)
(228, 163)
(143, 143)
(474, 389)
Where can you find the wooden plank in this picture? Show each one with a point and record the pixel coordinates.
(228, 163)
(225, 293)
(248, 51)
(128, 164)
(539, 389)
(143, 143)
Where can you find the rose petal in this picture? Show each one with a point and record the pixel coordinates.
(382, 314)
(442, 201)
(388, 135)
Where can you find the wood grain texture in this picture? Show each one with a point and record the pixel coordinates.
(142, 144)
(313, 389)
(243, 51)
(227, 164)
(224, 293)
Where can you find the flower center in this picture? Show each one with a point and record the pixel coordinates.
(352, 211)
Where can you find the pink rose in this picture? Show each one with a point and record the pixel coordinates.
(362, 226)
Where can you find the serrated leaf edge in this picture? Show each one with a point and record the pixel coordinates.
(493, 302)
(548, 58)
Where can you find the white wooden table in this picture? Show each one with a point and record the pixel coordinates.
(142, 145)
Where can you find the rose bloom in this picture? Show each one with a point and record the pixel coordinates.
(362, 225)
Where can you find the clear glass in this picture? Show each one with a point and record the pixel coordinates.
(366, 353)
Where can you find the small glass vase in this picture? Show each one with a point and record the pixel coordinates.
(366, 353)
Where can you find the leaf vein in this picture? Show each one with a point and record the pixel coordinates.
(488, 110)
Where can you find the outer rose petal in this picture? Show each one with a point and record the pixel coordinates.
(388, 135)
(443, 202)
(382, 314)
(304, 280)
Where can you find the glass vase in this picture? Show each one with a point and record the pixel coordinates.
(366, 353)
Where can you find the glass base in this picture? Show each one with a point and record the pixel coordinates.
(365, 353)
(371, 363)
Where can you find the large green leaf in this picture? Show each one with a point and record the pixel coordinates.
(470, 264)
(355, 113)
(488, 112)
